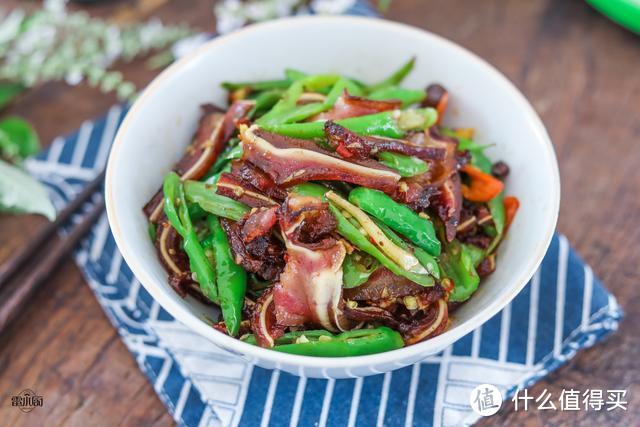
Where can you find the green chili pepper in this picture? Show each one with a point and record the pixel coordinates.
(479, 159)
(406, 96)
(152, 230)
(264, 101)
(257, 86)
(204, 195)
(195, 211)
(338, 89)
(175, 207)
(308, 189)
(286, 110)
(399, 217)
(496, 207)
(294, 75)
(361, 241)
(207, 243)
(234, 153)
(212, 180)
(476, 254)
(301, 112)
(324, 344)
(356, 269)
(393, 124)
(405, 165)
(395, 78)
(429, 262)
(457, 264)
(230, 152)
(231, 278)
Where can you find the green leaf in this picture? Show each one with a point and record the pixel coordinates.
(20, 193)
(18, 139)
(8, 91)
(383, 5)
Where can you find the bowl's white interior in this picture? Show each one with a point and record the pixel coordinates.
(162, 121)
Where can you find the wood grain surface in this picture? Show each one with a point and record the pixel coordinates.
(580, 72)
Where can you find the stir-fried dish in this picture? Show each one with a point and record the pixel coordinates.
(330, 217)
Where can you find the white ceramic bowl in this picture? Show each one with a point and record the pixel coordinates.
(162, 121)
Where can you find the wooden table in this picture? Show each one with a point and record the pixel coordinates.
(580, 72)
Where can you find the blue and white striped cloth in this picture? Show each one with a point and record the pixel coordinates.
(562, 310)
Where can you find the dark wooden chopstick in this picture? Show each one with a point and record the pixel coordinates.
(13, 299)
(11, 267)
(14, 294)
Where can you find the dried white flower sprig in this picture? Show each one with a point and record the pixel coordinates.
(53, 44)
(233, 14)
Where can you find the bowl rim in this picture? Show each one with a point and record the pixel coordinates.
(430, 346)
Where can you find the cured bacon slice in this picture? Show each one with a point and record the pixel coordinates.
(263, 255)
(308, 222)
(383, 284)
(259, 223)
(449, 205)
(353, 106)
(433, 323)
(440, 186)
(214, 131)
(441, 170)
(248, 184)
(175, 261)
(232, 186)
(350, 145)
(263, 321)
(310, 287)
(289, 166)
(257, 178)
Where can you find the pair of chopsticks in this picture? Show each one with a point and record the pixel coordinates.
(38, 259)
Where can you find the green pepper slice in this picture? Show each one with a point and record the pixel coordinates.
(308, 189)
(361, 241)
(176, 209)
(231, 278)
(204, 195)
(356, 269)
(398, 217)
(406, 96)
(406, 166)
(392, 124)
(429, 262)
(457, 264)
(359, 342)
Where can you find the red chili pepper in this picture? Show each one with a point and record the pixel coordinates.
(343, 151)
(484, 186)
(511, 205)
(442, 106)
